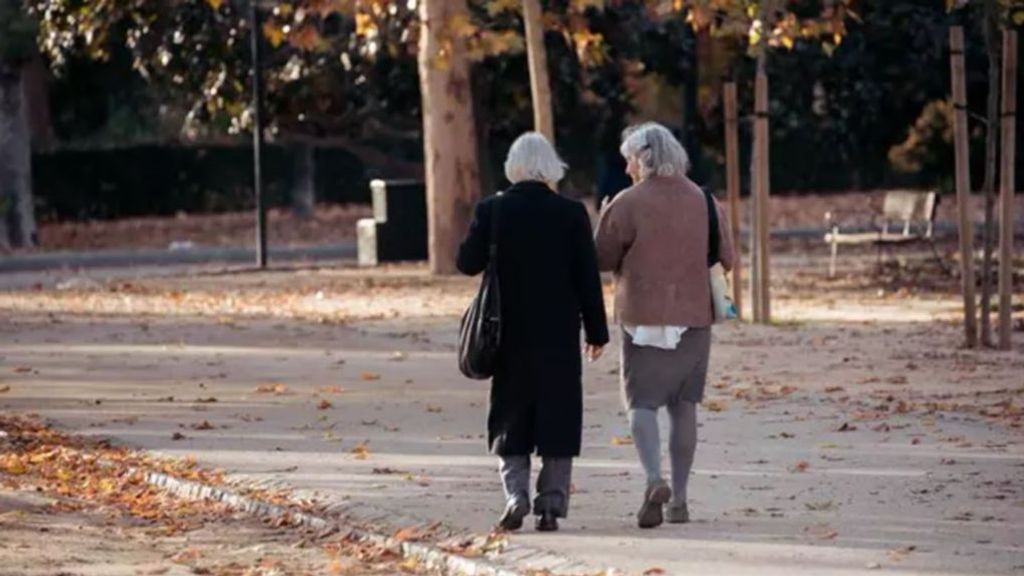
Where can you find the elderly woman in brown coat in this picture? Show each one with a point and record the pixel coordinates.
(655, 237)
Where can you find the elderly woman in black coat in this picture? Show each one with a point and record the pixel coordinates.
(550, 285)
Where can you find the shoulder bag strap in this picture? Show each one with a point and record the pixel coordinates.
(495, 214)
(714, 256)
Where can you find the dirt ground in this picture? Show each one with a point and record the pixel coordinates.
(330, 224)
(36, 540)
(71, 506)
(333, 224)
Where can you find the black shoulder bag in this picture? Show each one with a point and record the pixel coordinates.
(480, 332)
(721, 303)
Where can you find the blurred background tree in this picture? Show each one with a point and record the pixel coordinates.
(17, 50)
(159, 75)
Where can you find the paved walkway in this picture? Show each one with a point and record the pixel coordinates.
(808, 462)
(39, 261)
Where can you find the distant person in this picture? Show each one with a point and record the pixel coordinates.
(654, 236)
(611, 177)
(549, 285)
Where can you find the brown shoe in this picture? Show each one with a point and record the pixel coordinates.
(651, 514)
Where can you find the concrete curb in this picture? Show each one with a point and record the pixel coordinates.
(513, 560)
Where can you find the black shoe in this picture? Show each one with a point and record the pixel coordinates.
(513, 517)
(547, 522)
(651, 513)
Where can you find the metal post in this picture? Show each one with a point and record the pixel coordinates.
(257, 134)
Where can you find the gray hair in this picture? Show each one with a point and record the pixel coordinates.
(532, 157)
(655, 149)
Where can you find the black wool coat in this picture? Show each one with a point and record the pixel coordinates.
(550, 285)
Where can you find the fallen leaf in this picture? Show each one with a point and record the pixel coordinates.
(901, 553)
(800, 466)
(369, 376)
(332, 389)
(715, 405)
(387, 471)
(204, 425)
(22, 370)
(324, 405)
(178, 436)
(15, 468)
(4, 389)
(361, 452)
(654, 571)
(411, 565)
(622, 441)
(187, 556)
(832, 389)
(408, 535)
(434, 409)
(846, 427)
(277, 389)
(821, 532)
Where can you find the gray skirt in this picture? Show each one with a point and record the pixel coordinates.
(653, 377)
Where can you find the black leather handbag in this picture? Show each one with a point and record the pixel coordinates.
(480, 332)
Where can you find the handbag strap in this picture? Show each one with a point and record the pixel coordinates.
(495, 213)
(714, 251)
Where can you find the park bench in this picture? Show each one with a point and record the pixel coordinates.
(907, 218)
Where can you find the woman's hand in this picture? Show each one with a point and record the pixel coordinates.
(593, 352)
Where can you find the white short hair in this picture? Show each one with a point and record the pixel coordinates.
(532, 157)
(655, 150)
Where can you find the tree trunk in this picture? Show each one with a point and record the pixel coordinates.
(961, 140)
(540, 84)
(691, 90)
(732, 185)
(17, 215)
(1008, 186)
(304, 180)
(993, 48)
(449, 134)
(760, 190)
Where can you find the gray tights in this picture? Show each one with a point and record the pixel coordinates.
(681, 446)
